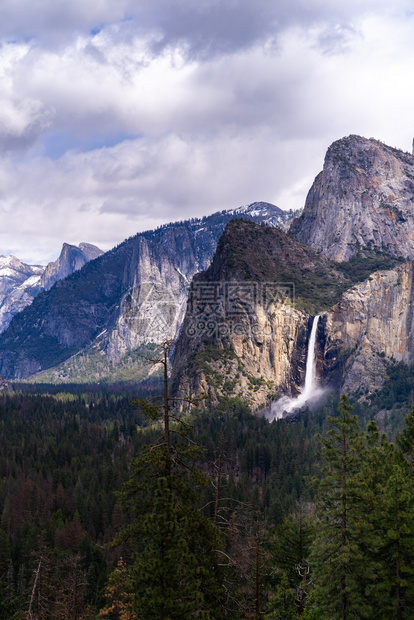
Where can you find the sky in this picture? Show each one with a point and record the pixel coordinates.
(119, 115)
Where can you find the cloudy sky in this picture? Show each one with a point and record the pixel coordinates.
(119, 115)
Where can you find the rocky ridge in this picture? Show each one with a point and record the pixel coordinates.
(364, 196)
(132, 295)
(255, 347)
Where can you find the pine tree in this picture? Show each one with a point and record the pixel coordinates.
(376, 456)
(175, 571)
(364, 551)
(118, 595)
(405, 440)
(386, 527)
(397, 547)
(282, 606)
(291, 544)
(339, 562)
(175, 566)
(290, 550)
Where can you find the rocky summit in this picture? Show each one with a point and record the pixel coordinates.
(364, 196)
(70, 260)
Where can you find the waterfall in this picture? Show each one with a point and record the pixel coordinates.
(310, 376)
(309, 391)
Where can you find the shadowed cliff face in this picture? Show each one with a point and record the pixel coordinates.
(365, 196)
(260, 351)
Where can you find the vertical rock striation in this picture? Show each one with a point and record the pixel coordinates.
(364, 196)
(71, 259)
(373, 322)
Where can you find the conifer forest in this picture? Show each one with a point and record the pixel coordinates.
(121, 505)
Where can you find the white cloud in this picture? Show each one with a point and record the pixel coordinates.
(223, 103)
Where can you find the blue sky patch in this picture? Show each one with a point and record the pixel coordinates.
(55, 145)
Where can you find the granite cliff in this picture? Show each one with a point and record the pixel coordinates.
(364, 197)
(371, 325)
(248, 316)
(70, 260)
(244, 336)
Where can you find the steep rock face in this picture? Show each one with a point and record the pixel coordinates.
(373, 322)
(237, 342)
(131, 295)
(70, 260)
(153, 309)
(254, 363)
(243, 333)
(364, 195)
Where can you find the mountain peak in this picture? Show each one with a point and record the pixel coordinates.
(71, 259)
(363, 197)
(259, 208)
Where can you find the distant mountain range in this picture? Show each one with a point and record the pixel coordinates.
(20, 283)
(91, 322)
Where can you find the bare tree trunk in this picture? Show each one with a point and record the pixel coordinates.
(218, 487)
(257, 579)
(29, 613)
(166, 415)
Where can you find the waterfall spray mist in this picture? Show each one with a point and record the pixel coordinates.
(309, 391)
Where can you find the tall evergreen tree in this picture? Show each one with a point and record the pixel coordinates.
(118, 595)
(175, 571)
(290, 545)
(364, 550)
(282, 606)
(337, 555)
(397, 547)
(386, 528)
(405, 440)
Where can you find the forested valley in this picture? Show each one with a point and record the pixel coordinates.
(105, 513)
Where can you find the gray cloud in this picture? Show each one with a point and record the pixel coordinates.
(202, 29)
